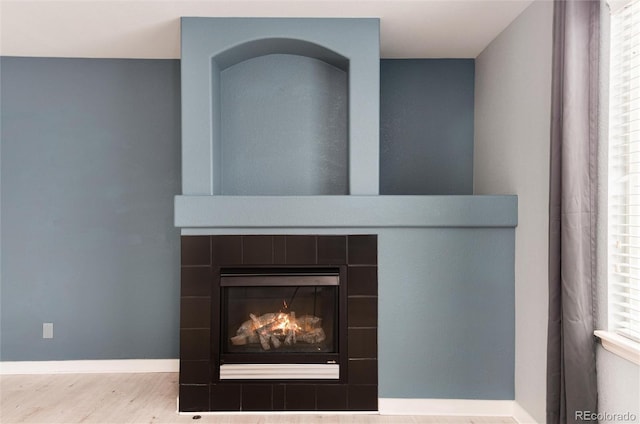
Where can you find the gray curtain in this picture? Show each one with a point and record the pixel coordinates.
(571, 367)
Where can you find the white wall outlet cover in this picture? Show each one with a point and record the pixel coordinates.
(47, 330)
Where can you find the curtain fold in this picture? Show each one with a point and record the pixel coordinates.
(571, 366)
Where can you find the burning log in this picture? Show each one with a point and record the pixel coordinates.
(245, 334)
(314, 336)
(275, 341)
(274, 329)
(239, 340)
(261, 330)
(308, 323)
(290, 338)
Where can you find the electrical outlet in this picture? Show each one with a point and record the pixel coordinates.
(47, 330)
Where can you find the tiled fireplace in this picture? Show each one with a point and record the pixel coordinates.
(277, 110)
(279, 322)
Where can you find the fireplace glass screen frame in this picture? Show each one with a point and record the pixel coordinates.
(268, 293)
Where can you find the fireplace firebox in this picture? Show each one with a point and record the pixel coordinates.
(283, 322)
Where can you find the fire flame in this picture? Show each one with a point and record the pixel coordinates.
(275, 329)
(283, 322)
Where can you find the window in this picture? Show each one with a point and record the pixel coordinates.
(624, 173)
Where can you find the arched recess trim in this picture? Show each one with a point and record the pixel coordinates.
(266, 46)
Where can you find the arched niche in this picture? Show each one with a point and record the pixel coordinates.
(280, 106)
(283, 119)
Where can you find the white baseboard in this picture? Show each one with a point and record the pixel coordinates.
(521, 415)
(455, 407)
(460, 407)
(90, 366)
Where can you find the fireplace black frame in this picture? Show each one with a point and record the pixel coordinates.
(202, 258)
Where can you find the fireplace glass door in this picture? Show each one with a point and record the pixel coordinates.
(289, 315)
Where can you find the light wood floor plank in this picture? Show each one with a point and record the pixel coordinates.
(149, 398)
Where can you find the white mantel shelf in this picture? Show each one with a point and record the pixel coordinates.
(345, 211)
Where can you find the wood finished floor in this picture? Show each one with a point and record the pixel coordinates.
(148, 398)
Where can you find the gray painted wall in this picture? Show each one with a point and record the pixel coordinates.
(426, 126)
(446, 312)
(513, 110)
(90, 165)
(284, 127)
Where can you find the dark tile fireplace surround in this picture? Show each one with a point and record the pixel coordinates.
(203, 257)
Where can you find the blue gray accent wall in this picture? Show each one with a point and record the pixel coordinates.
(90, 165)
(426, 126)
(446, 312)
(284, 127)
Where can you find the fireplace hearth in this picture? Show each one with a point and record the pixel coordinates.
(274, 323)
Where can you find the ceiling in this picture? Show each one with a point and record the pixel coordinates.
(151, 28)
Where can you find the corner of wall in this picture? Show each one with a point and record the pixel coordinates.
(511, 155)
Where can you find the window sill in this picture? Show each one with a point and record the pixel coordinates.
(618, 345)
